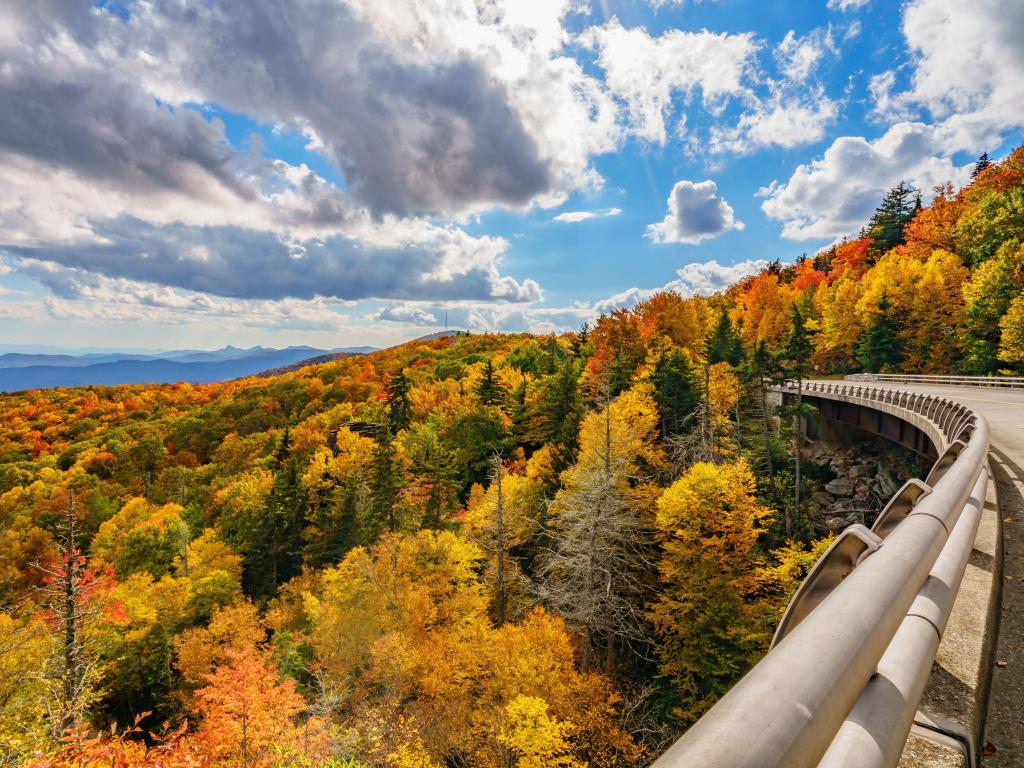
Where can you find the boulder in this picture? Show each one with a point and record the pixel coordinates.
(887, 484)
(822, 499)
(841, 486)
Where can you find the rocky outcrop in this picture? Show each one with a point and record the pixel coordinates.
(855, 480)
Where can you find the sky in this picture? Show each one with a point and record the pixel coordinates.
(194, 173)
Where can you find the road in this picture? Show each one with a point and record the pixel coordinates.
(1004, 409)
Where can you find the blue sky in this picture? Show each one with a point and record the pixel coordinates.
(338, 172)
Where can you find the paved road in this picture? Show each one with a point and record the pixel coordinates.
(1004, 409)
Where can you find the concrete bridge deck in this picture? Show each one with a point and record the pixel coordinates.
(1004, 410)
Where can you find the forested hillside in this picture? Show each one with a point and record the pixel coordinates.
(494, 550)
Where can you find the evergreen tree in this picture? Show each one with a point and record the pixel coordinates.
(578, 341)
(490, 390)
(724, 345)
(559, 409)
(763, 368)
(798, 352)
(285, 517)
(676, 391)
(981, 165)
(879, 347)
(399, 410)
(891, 217)
(385, 481)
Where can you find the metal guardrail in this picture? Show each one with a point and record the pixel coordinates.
(842, 681)
(965, 381)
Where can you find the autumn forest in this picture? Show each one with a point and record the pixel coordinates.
(468, 551)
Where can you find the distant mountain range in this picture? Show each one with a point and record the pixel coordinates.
(23, 370)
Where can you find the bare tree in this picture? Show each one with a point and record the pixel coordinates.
(72, 672)
(596, 566)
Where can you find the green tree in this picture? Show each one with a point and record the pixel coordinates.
(798, 354)
(981, 165)
(285, 519)
(676, 390)
(399, 409)
(885, 228)
(490, 390)
(559, 409)
(988, 294)
(879, 348)
(723, 344)
(385, 482)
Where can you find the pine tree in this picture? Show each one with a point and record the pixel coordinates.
(385, 481)
(879, 347)
(764, 369)
(886, 225)
(724, 345)
(578, 341)
(798, 352)
(676, 391)
(490, 390)
(981, 165)
(399, 409)
(286, 518)
(559, 409)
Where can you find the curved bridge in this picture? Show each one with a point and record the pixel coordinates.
(853, 657)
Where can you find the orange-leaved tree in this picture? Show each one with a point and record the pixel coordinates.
(252, 718)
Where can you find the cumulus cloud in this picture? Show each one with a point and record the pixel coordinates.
(572, 217)
(695, 213)
(967, 61)
(835, 194)
(426, 110)
(783, 121)
(964, 72)
(698, 278)
(706, 278)
(406, 313)
(82, 296)
(646, 72)
(106, 166)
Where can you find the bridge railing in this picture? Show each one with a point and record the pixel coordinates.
(844, 676)
(964, 381)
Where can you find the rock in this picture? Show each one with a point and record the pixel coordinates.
(841, 486)
(887, 484)
(859, 470)
(836, 524)
(822, 499)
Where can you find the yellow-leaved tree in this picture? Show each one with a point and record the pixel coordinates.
(711, 618)
(404, 628)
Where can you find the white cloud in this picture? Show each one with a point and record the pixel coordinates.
(406, 313)
(798, 57)
(782, 121)
(835, 194)
(698, 278)
(646, 72)
(695, 213)
(967, 69)
(97, 175)
(706, 278)
(795, 110)
(847, 5)
(965, 72)
(572, 217)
